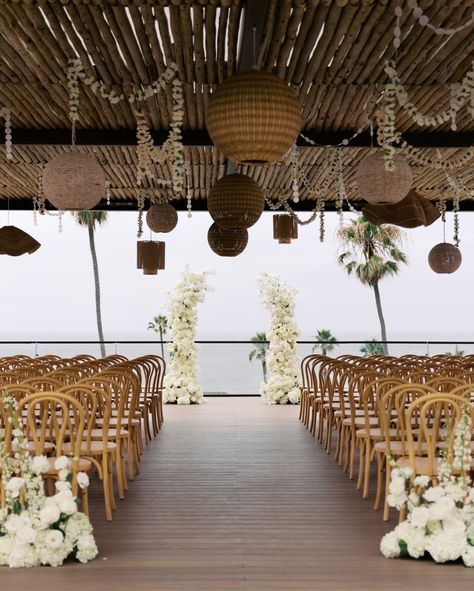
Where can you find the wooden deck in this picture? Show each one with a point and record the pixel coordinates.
(237, 496)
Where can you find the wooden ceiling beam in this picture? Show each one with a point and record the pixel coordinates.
(125, 137)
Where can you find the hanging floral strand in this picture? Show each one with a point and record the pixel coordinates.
(5, 113)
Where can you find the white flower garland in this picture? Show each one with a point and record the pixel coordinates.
(181, 383)
(440, 518)
(34, 529)
(282, 356)
(6, 114)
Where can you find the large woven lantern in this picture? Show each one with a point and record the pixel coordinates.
(445, 258)
(235, 201)
(410, 212)
(150, 256)
(162, 218)
(378, 185)
(285, 228)
(15, 242)
(73, 181)
(254, 117)
(227, 243)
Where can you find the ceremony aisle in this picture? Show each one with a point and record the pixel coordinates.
(235, 496)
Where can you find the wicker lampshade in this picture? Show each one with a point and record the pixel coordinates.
(445, 258)
(285, 228)
(410, 212)
(227, 243)
(73, 181)
(15, 242)
(150, 256)
(378, 185)
(254, 117)
(162, 218)
(235, 201)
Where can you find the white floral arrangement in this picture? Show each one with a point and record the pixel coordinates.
(282, 356)
(181, 382)
(36, 529)
(439, 517)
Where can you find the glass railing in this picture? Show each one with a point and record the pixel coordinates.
(224, 366)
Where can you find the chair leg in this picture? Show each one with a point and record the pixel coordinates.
(388, 476)
(380, 469)
(368, 452)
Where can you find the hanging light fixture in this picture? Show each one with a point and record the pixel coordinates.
(15, 242)
(235, 201)
(445, 258)
(73, 181)
(162, 217)
(254, 117)
(378, 185)
(285, 228)
(227, 243)
(411, 212)
(150, 256)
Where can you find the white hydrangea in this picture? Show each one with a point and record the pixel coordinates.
(82, 480)
(444, 547)
(39, 465)
(61, 463)
(390, 545)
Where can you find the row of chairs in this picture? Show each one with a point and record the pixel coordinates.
(99, 411)
(383, 406)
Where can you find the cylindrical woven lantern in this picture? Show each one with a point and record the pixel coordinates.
(15, 242)
(285, 228)
(254, 117)
(235, 201)
(162, 218)
(73, 181)
(227, 243)
(378, 185)
(445, 258)
(150, 256)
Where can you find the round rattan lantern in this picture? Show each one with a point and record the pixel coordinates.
(285, 228)
(73, 181)
(227, 243)
(378, 185)
(150, 256)
(235, 201)
(162, 218)
(254, 117)
(445, 258)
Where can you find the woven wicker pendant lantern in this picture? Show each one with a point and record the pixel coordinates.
(162, 218)
(411, 212)
(150, 256)
(285, 228)
(235, 201)
(445, 258)
(73, 181)
(15, 242)
(254, 117)
(378, 185)
(227, 243)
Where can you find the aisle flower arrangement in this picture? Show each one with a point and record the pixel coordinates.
(282, 357)
(35, 529)
(181, 383)
(440, 517)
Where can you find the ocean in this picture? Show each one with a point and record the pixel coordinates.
(223, 368)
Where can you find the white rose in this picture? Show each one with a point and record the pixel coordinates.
(14, 485)
(433, 494)
(39, 465)
(54, 539)
(441, 509)
(63, 474)
(49, 514)
(454, 526)
(62, 485)
(421, 481)
(26, 534)
(82, 480)
(420, 516)
(65, 502)
(397, 486)
(61, 463)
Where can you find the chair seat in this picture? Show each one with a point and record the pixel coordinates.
(397, 449)
(83, 465)
(358, 412)
(376, 433)
(95, 448)
(112, 433)
(360, 421)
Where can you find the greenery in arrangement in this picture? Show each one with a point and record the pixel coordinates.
(456, 353)
(259, 352)
(160, 325)
(373, 253)
(372, 347)
(90, 219)
(327, 342)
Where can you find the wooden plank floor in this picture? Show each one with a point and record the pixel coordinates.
(237, 496)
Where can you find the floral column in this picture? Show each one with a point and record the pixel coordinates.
(181, 383)
(282, 357)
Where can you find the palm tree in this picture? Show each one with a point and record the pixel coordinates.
(90, 219)
(159, 324)
(326, 341)
(259, 352)
(373, 254)
(457, 352)
(372, 347)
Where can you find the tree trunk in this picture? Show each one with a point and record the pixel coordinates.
(160, 328)
(264, 367)
(97, 290)
(383, 330)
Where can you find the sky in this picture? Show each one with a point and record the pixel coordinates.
(51, 292)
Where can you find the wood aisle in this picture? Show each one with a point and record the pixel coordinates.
(237, 496)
